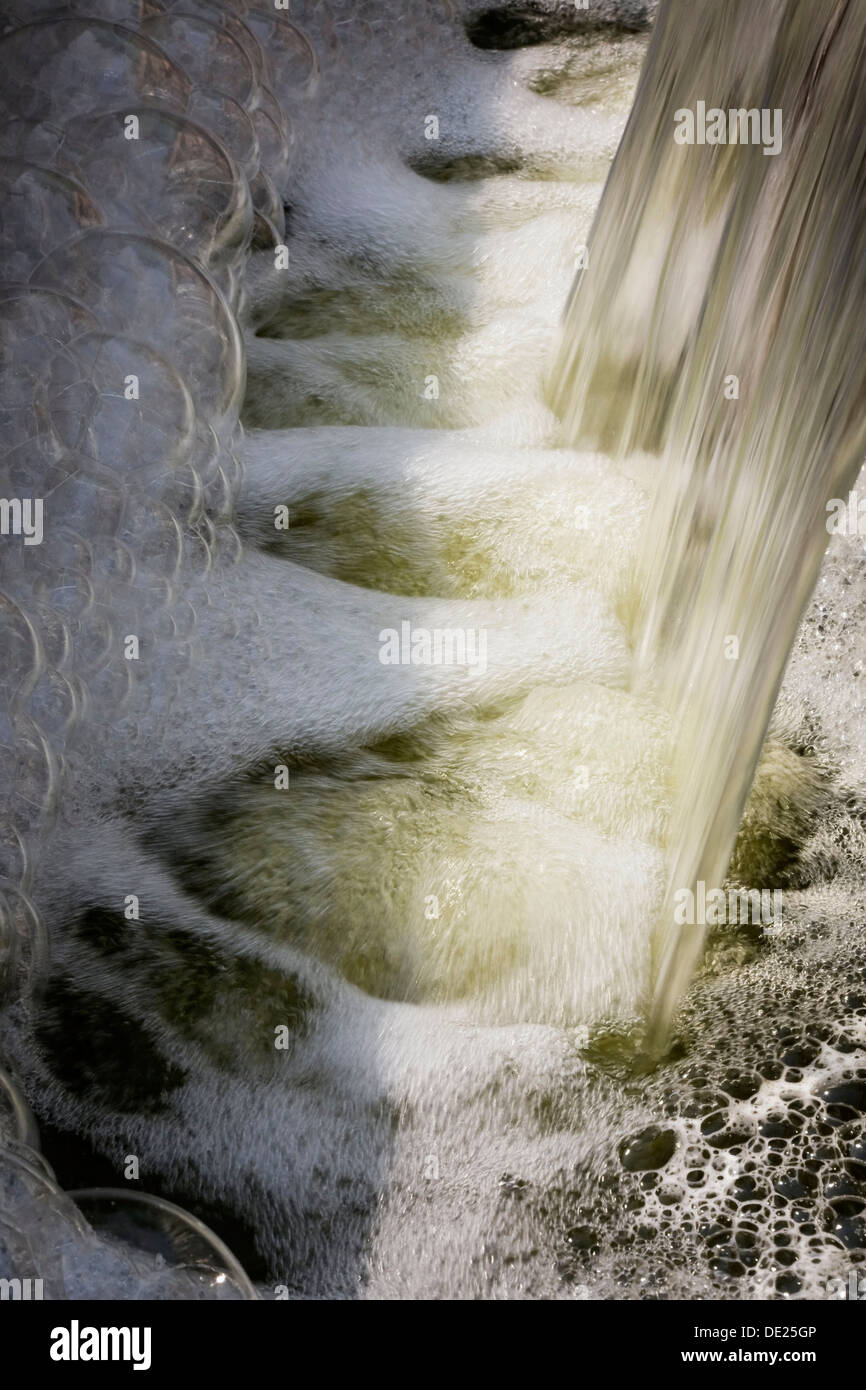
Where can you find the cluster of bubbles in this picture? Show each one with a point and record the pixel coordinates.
(143, 153)
(746, 1177)
(77, 1245)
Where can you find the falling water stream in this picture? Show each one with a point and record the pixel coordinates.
(721, 328)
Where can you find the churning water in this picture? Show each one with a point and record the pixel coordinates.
(429, 763)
